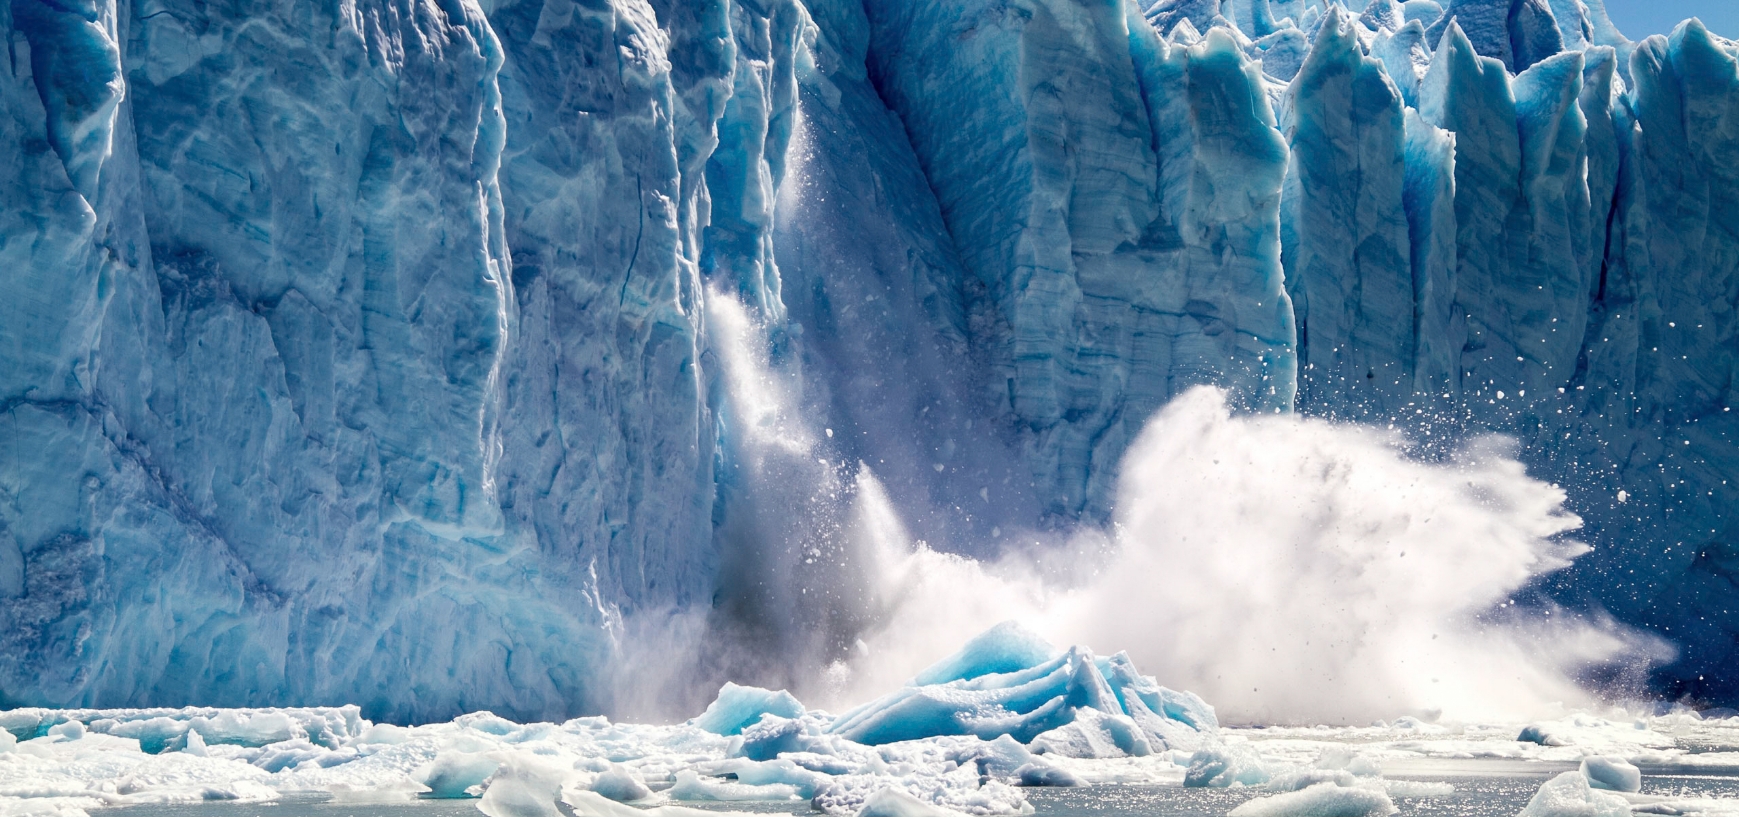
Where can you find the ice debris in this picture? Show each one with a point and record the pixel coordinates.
(739, 707)
(1570, 795)
(1071, 703)
(1611, 773)
(1340, 783)
(1320, 800)
(1006, 712)
(1221, 765)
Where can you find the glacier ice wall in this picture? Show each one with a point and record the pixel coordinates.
(364, 353)
(1114, 195)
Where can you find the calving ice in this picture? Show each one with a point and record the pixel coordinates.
(558, 360)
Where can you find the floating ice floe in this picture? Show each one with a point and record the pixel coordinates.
(1612, 774)
(1006, 712)
(1570, 795)
(967, 736)
(1321, 800)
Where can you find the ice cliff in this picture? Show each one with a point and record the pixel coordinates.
(366, 352)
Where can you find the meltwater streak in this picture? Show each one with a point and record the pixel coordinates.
(1287, 569)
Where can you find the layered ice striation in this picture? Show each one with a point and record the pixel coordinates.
(1114, 193)
(377, 352)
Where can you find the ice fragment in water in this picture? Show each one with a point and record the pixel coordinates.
(621, 784)
(1569, 795)
(739, 707)
(1611, 773)
(1320, 800)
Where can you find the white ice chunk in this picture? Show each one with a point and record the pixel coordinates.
(1039, 773)
(401, 790)
(1569, 795)
(1094, 734)
(1219, 765)
(779, 771)
(892, 802)
(1417, 788)
(1320, 800)
(1611, 773)
(1002, 757)
(621, 784)
(739, 707)
(591, 804)
(194, 744)
(524, 787)
(70, 730)
(691, 786)
(452, 774)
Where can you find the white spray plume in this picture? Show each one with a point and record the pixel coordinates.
(1289, 570)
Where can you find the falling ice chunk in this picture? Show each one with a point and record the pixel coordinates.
(1623, 496)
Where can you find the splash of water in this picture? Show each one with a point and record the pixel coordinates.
(1294, 569)
(1288, 569)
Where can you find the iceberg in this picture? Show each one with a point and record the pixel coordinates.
(1222, 765)
(1611, 774)
(1320, 800)
(1570, 793)
(738, 707)
(1070, 703)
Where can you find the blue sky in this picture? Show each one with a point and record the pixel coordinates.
(1640, 18)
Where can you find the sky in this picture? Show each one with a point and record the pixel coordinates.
(1640, 18)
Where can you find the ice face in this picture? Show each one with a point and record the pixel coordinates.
(1118, 208)
(366, 354)
(279, 359)
(1345, 236)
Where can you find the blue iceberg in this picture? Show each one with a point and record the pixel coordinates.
(1008, 682)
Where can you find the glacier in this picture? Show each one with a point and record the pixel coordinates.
(314, 392)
